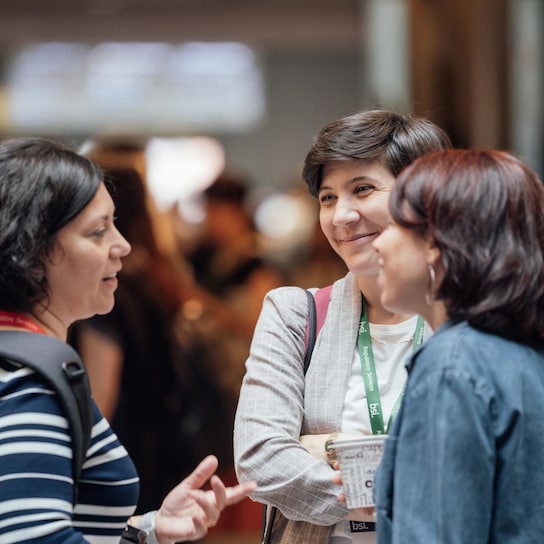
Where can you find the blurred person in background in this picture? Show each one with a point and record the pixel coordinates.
(158, 367)
(226, 259)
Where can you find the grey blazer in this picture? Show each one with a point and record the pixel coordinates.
(278, 403)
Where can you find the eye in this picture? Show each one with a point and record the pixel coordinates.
(325, 198)
(101, 232)
(364, 188)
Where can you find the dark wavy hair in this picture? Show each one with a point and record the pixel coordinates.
(43, 185)
(485, 212)
(392, 139)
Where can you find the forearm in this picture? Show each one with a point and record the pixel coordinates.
(289, 477)
(270, 414)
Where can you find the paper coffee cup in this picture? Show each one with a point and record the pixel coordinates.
(358, 459)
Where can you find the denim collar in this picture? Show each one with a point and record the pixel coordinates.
(444, 327)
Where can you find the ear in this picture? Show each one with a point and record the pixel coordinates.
(433, 252)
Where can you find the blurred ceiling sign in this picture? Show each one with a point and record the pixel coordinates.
(113, 87)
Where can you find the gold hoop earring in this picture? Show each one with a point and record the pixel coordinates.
(429, 295)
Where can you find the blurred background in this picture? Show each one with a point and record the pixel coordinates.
(212, 105)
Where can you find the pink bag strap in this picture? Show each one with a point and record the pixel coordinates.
(318, 307)
(322, 299)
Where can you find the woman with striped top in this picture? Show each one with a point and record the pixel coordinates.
(60, 253)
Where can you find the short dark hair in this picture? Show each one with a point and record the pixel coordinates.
(484, 210)
(392, 139)
(43, 185)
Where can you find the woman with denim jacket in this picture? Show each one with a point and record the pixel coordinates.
(463, 460)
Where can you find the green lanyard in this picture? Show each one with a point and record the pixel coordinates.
(370, 378)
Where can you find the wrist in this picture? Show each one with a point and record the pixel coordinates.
(330, 451)
(144, 533)
(147, 524)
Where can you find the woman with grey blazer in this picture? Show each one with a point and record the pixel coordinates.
(284, 416)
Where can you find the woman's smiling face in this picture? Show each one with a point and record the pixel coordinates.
(353, 200)
(404, 259)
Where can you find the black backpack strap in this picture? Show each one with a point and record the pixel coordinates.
(63, 370)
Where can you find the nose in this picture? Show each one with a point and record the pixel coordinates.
(345, 212)
(121, 247)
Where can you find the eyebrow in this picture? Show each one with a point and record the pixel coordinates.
(101, 217)
(351, 181)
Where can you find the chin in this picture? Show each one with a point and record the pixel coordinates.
(390, 304)
(104, 312)
(366, 267)
(104, 308)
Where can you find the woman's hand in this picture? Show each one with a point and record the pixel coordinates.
(188, 511)
(356, 514)
(315, 444)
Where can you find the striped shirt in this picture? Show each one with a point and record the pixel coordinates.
(36, 484)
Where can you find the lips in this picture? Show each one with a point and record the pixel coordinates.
(356, 237)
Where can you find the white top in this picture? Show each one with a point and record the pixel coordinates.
(278, 402)
(391, 346)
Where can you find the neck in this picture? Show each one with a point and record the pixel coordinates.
(435, 314)
(53, 324)
(376, 312)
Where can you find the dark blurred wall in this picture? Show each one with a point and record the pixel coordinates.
(304, 92)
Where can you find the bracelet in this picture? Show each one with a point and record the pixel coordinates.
(330, 451)
(144, 534)
(147, 524)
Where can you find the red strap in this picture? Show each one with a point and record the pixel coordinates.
(20, 321)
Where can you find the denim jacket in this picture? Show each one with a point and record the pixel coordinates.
(464, 460)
